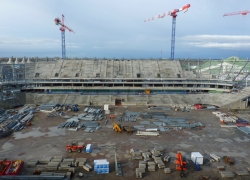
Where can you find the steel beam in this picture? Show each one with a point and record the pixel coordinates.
(241, 70)
(231, 68)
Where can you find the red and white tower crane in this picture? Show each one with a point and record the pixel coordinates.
(174, 15)
(237, 13)
(62, 29)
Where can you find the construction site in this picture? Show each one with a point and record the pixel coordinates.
(117, 118)
(144, 119)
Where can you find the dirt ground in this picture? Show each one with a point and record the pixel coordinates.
(44, 139)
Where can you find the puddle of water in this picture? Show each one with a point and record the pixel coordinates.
(53, 131)
(184, 145)
(232, 154)
(242, 140)
(34, 133)
(221, 140)
(109, 126)
(224, 149)
(7, 146)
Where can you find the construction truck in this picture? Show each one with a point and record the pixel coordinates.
(74, 147)
(128, 129)
(180, 164)
(119, 128)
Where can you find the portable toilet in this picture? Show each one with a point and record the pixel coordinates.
(197, 158)
(88, 148)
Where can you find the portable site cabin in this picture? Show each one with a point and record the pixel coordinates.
(197, 158)
(89, 148)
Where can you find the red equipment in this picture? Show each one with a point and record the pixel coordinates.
(8, 167)
(180, 164)
(74, 147)
(237, 13)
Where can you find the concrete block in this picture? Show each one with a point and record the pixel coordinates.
(151, 163)
(72, 169)
(242, 173)
(167, 170)
(68, 160)
(138, 175)
(45, 160)
(31, 164)
(90, 167)
(56, 160)
(55, 164)
(142, 162)
(151, 168)
(86, 168)
(137, 157)
(81, 159)
(142, 170)
(58, 157)
(142, 166)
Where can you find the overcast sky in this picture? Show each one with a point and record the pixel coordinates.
(116, 28)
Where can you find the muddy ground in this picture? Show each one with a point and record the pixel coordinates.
(44, 139)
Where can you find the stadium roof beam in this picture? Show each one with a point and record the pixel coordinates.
(220, 68)
(210, 66)
(241, 71)
(231, 68)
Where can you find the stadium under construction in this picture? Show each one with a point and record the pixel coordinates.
(126, 81)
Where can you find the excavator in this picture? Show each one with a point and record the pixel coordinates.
(180, 164)
(119, 128)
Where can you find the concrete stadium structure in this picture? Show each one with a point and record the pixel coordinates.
(129, 81)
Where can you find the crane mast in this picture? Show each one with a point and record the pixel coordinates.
(62, 29)
(174, 15)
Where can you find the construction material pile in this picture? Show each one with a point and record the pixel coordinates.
(225, 117)
(84, 120)
(129, 116)
(12, 120)
(151, 160)
(57, 109)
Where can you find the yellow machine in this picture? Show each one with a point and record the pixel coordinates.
(117, 128)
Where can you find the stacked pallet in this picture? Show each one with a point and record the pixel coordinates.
(45, 160)
(135, 154)
(32, 163)
(227, 174)
(242, 173)
(216, 158)
(139, 172)
(66, 164)
(87, 167)
(167, 170)
(159, 162)
(151, 166)
(52, 166)
(146, 155)
(80, 161)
